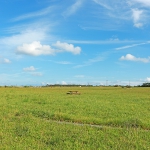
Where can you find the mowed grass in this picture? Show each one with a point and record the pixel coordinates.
(34, 118)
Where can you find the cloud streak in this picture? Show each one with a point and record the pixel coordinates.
(100, 42)
(73, 8)
(133, 45)
(34, 14)
(103, 4)
(90, 62)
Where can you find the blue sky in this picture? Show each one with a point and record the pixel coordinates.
(95, 42)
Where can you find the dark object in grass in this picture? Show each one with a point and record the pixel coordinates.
(73, 92)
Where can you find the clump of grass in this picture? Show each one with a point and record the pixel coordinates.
(130, 123)
(21, 130)
(53, 116)
(41, 114)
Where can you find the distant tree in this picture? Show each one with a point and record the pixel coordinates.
(147, 84)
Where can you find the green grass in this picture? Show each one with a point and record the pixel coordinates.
(29, 118)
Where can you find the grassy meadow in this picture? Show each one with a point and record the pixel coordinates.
(101, 118)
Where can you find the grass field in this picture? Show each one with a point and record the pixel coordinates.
(101, 118)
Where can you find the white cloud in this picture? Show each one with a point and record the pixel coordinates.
(130, 57)
(147, 79)
(35, 49)
(31, 68)
(73, 8)
(14, 43)
(137, 17)
(64, 83)
(65, 47)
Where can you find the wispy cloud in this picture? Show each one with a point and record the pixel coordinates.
(64, 62)
(57, 62)
(140, 12)
(31, 68)
(133, 10)
(79, 76)
(145, 3)
(39, 74)
(73, 8)
(4, 61)
(90, 62)
(25, 36)
(34, 14)
(104, 4)
(109, 41)
(130, 57)
(32, 71)
(7, 61)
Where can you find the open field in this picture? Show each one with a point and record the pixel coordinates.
(100, 118)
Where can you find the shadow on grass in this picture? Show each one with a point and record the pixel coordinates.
(131, 123)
